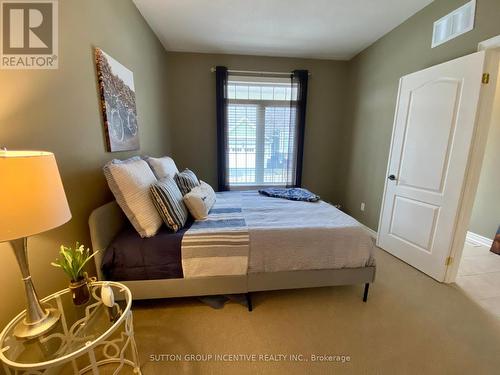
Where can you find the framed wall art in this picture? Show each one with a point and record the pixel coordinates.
(117, 98)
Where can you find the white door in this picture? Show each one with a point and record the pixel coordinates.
(432, 137)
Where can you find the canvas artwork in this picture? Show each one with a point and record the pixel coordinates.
(116, 86)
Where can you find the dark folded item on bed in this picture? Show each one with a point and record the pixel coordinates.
(294, 194)
(130, 257)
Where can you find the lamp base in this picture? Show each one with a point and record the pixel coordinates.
(37, 320)
(26, 331)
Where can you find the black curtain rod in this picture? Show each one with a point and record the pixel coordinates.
(255, 72)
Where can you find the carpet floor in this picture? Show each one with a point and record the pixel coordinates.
(411, 324)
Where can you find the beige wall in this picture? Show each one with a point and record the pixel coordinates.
(192, 114)
(349, 118)
(374, 74)
(59, 111)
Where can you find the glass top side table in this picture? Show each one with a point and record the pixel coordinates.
(86, 338)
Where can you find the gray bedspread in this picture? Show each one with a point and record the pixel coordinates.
(258, 234)
(288, 235)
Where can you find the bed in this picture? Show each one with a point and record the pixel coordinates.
(291, 245)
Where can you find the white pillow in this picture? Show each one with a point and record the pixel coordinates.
(200, 200)
(162, 167)
(129, 181)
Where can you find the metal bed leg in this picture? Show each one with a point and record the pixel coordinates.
(365, 294)
(249, 302)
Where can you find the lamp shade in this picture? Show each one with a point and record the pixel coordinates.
(32, 198)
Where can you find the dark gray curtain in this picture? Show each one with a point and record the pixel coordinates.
(300, 78)
(221, 77)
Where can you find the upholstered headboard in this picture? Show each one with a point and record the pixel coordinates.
(104, 222)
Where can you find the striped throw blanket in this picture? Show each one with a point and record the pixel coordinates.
(218, 245)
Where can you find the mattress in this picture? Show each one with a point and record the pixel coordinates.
(284, 235)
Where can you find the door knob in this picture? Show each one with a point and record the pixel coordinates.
(392, 177)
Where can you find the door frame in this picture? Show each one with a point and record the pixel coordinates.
(475, 159)
(489, 103)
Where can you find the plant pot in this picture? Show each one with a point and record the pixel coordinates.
(79, 291)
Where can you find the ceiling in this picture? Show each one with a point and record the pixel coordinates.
(325, 29)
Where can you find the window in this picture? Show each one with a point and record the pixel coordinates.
(260, 128)
(261, 147)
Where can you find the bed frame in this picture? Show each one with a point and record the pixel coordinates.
(106, 221)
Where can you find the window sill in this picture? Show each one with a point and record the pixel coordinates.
(253, 187)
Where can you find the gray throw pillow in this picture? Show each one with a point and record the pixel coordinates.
(168, 201)
(186, 180)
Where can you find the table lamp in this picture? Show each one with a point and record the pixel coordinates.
(32, 201)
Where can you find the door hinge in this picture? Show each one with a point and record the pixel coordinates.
(486, 78)
(448, 261)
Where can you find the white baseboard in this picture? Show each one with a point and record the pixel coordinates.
(370, 231)
(472, 237)
(478, 239)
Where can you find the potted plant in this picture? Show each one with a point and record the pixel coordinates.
(72, 262)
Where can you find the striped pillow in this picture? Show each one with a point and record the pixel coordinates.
(168, 201)
(129, 180)
(186, 180)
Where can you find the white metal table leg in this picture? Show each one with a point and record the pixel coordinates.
(93, 362)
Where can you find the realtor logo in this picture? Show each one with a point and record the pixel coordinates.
(29, 34)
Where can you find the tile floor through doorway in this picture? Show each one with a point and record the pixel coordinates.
(479, 276)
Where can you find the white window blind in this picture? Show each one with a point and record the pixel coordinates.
(262, 131)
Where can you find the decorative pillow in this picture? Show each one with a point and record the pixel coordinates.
(168, 201)
(162, 167)
(200, 200)
(129, 181)
(186, 180)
